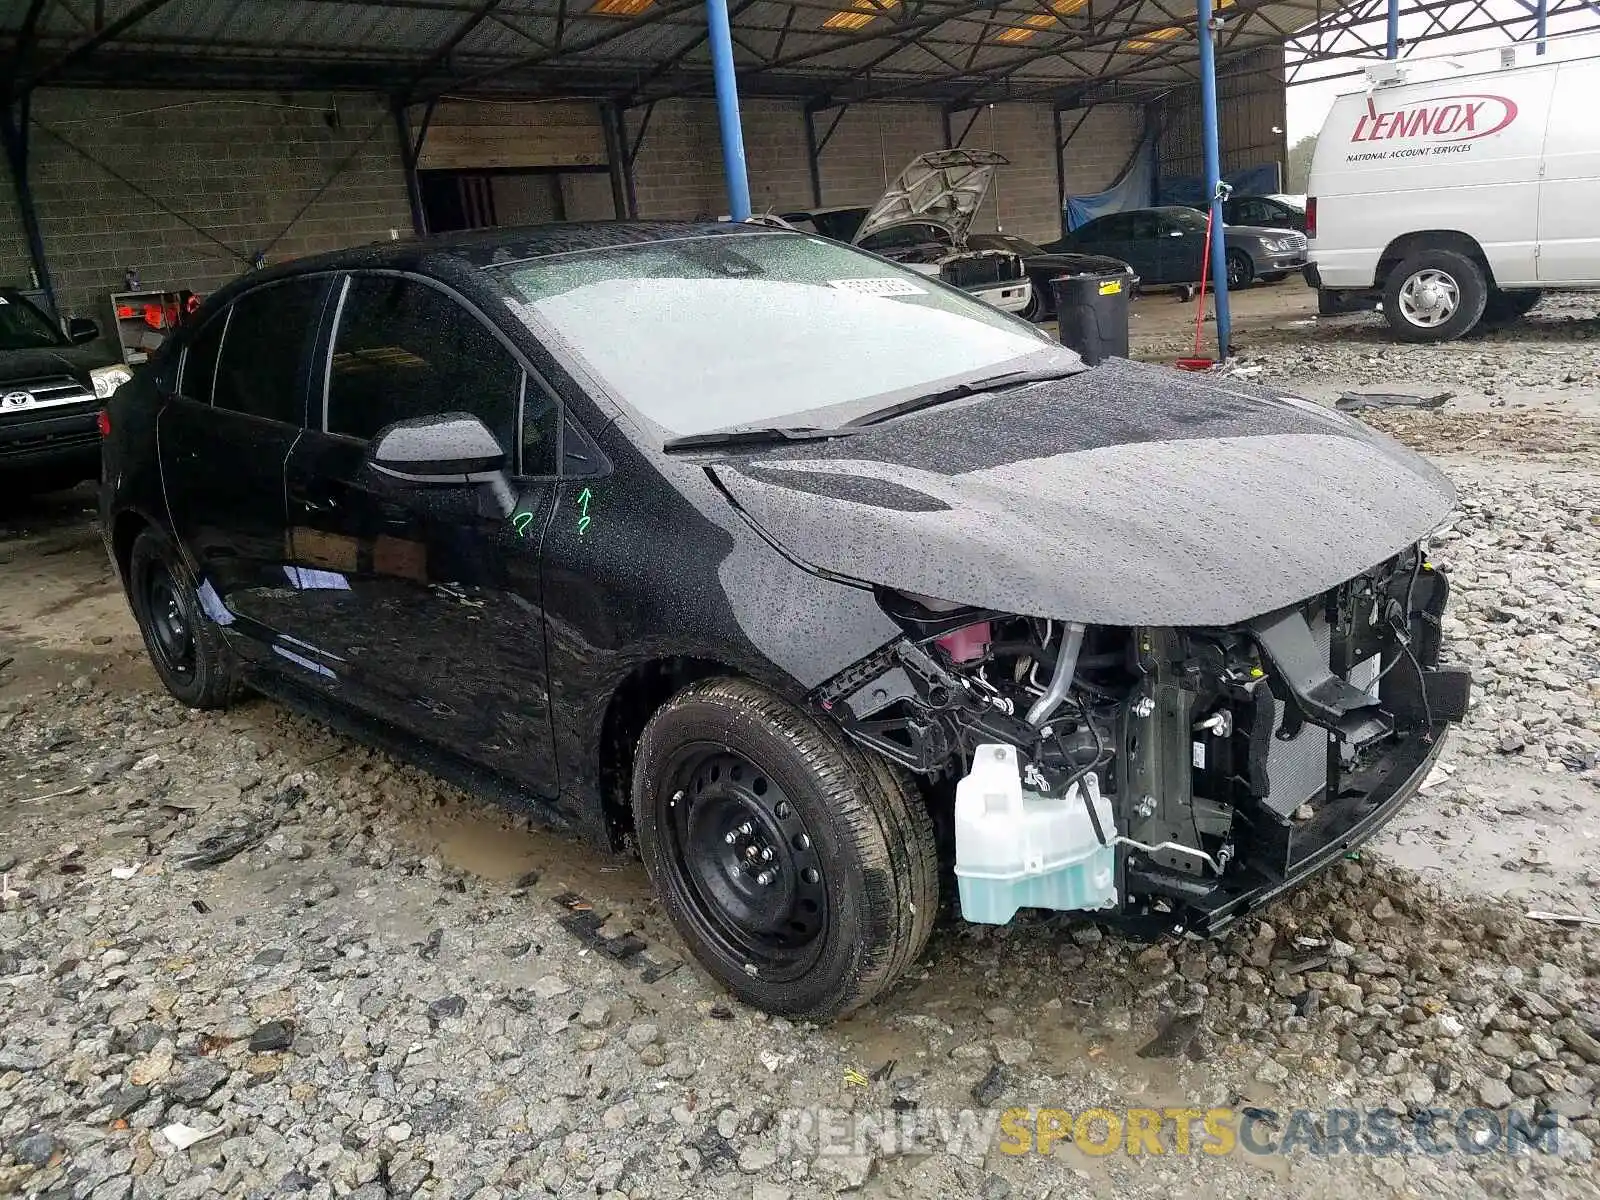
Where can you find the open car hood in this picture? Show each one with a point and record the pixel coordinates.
(941, 187)
(1125, 495)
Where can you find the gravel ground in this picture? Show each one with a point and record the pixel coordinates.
(348, 979)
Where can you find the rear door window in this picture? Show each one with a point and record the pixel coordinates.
(268, 341)
(1115, 228)
(405, 350)
(200, 361)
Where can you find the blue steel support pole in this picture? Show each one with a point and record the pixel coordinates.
(1394, 29)
(721, 39)
(1213, 164)
(1540, 15)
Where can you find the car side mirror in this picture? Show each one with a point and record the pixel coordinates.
(449, 450)
(81, 330)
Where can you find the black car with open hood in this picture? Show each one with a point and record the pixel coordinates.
(580, 517)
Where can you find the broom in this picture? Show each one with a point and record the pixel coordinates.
(1199, 362)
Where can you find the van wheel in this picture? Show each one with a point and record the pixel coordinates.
(801, 871)
(1038, 307)
(1502, 308)
(1434, 296)
(185, 647)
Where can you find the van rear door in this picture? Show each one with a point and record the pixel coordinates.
(1569, 188)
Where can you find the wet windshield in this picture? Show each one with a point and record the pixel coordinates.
(24, 327)
(709, 333)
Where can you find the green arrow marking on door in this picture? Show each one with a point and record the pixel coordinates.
(522, 520)
(584, 497)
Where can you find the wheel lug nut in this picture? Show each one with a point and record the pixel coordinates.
(766, 854)
(749, 851)
(731, 838)
(765, 878)
(747, 829)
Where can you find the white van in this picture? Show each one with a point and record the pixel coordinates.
(1457, 200)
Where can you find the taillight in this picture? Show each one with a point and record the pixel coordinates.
(102, 422)
(1311, 216)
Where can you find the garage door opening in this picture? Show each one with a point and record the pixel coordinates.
(486, 199)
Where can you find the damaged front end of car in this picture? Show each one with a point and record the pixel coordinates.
(1178, 776)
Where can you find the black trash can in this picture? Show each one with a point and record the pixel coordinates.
(1092, 313)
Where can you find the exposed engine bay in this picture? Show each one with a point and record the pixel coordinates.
(972, 270)
(1209, 767)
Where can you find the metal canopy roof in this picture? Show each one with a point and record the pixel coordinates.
(830, 51)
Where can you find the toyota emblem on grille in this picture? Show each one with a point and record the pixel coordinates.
(16, 399)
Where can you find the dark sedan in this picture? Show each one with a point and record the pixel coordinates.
(1166, 245)
(804, 573)
(1042, 267)
(1270, 212)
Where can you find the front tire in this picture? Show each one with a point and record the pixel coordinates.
(1038, 306)
(801, 871)
(184, 645)
(1241, 270)
(1434, 296)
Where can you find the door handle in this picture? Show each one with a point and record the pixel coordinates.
(320, 504)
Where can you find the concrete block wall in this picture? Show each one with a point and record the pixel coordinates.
(678, 173)
(238, 166)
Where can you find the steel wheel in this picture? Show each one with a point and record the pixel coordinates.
(185, 647)
(746, 861)
(171, 628)
(1429, 297)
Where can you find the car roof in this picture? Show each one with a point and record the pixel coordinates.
(454, 255)
(823, 212)
(495, 247)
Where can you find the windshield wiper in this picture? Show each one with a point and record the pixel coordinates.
(960, 391)
(755, 437)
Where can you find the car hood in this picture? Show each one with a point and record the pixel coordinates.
(941, 187)
(19, 365)
(1125, 495)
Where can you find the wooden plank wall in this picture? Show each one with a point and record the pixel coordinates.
(464, 135)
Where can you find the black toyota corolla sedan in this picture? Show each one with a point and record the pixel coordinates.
(804, 574)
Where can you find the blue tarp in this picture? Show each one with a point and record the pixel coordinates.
(1259, 180)
(1135, 189)
(1139, 188)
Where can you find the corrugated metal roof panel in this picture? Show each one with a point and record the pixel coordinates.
(962, 41)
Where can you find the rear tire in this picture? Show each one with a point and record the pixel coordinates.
(1434, 296)
(801, 871)
(1503, 308)
(184, 644)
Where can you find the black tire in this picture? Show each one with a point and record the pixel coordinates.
(184, 644)
(1462, 292)
(1502, 308)
(846, 835)
(1038, 307)
(1241, 270)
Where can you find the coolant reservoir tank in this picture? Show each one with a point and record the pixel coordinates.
(1018, 849)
